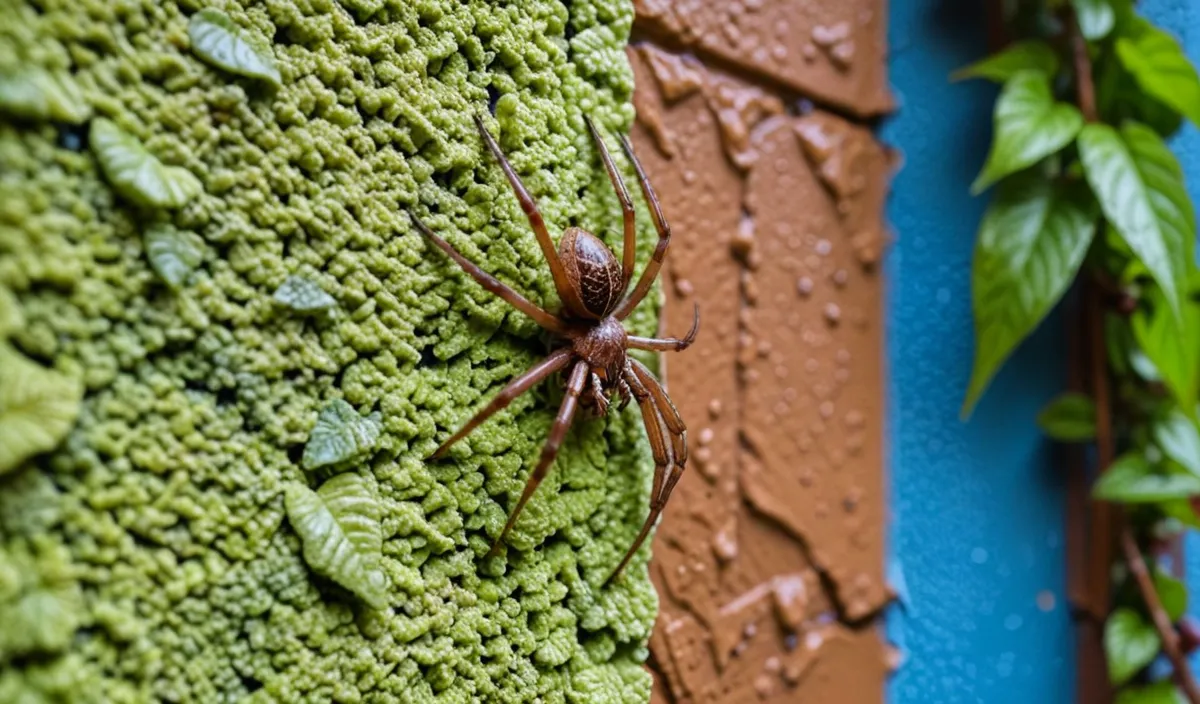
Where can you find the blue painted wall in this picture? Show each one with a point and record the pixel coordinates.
(977, 538)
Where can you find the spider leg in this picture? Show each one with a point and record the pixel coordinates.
(669, 344)
(625, 392)
(558, 431)
(660, 250)
(626, 206)
(663, 458)
(566, 292)
(556, 361)
(491, 283)
(670, 415)
(601, 403)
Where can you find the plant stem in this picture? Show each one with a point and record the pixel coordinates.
(1104, 427)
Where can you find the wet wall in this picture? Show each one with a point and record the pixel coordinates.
(978, 507)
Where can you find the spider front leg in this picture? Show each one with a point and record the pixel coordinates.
(664, 238)
(618, 185)
(669, 413)
(558, 431)
(669, 344)
(491, 283)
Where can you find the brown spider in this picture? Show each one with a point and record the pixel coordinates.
(592, 286)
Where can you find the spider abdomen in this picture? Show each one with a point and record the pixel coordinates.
(594, 271)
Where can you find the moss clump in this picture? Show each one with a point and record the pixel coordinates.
(155, 533)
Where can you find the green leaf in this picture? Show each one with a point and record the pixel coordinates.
(303, 295)
(1069, 418)
(1031, 243)
(1030, 125)
(1129, 644)
(222, 43)
(1018, 57)
(340, 435)
(1173, 594)
(34, 93)
(1161, 68)
(1140, 187)
(1172, 348)
(1159, 693)
(11, 318)
(37, 408)
(1132, 480)
(136, 173)
(338, 525)
(173, 254)
(1096, 18)
(1178, 438)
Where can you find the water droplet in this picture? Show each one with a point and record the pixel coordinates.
(804, 286)
(840, 277)
(833, 314)
(1046, 600)
(1013, 622)
(979, 556)
(823, 247)
(684, 288)
(705, 437)
(714, 409)
(826, 409)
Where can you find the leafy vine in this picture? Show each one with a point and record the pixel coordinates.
(1089, 204)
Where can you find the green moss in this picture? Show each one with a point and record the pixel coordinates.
(156, 531)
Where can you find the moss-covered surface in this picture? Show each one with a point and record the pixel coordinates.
(149, 557)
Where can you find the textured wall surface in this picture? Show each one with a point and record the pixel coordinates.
(770, 558)
(978, 532)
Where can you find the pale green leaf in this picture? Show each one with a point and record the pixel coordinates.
(36, 93)
(340, 435)
(1030, 125)
(1031, 243)
(1130, 643)
(221, 42)
(1159, 693)
(1096, 18)
(11, 318)
(1179, 439)
(339, 526)
(37, 408)
(173, 254)
(303, 295)
(1162, 69)
(1021, 56)
(1070, 418)
(1140, 187)
(136, 173)
(1173, 349)
(1132, 480)
(1172, 593)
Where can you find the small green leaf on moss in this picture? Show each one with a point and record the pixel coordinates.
(1028, 55)
(1030, 125)
(1069, 418)
(303, 295)
(137, 174)
(219, 41)
(339, 527)
(340, 435)
(173, 254)
(1132, 480)
(34, 93)
(11, 318)
(37, 408)
(1130, 643)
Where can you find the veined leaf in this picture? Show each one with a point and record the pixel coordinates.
(303, 295)
(1096, 18)
(1130, 643)
(1031, 243)
(136, 173)
(37, 408)
(1070, 418)
(1172, 348)
(1030, 125)
(339, 527)
(340, 435)
(1021, 56)
(173, 255)
(35, 93)
(222, 43)
(1178, 438)
(1140, 187)
(1158, 693)
(1132, 480)
(1161, 68)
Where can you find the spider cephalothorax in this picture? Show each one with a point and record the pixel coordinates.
(593, 286)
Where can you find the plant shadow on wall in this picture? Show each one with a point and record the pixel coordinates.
(1088, 198)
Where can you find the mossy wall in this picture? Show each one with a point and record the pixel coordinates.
(156, 400)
